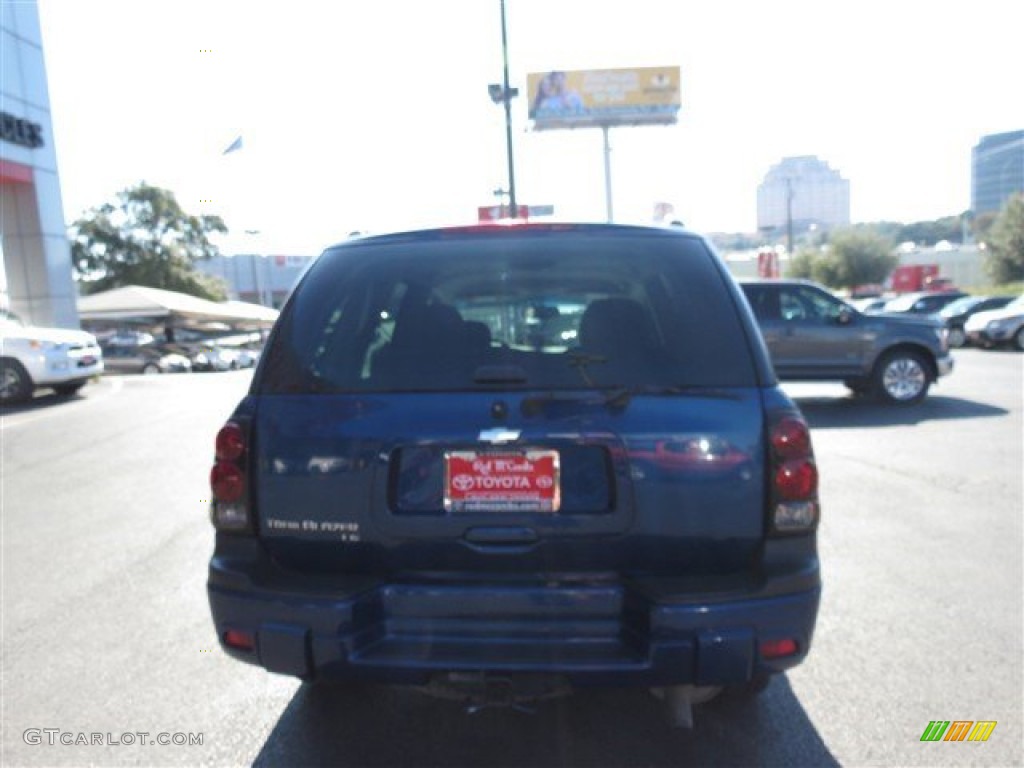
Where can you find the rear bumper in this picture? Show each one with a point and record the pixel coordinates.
(588, 632)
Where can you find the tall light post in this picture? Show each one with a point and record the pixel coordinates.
(502, 94)
(253, 257)
(789, 216)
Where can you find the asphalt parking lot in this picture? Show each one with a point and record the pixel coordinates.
(106, 628)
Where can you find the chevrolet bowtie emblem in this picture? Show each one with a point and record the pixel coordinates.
(499, 435)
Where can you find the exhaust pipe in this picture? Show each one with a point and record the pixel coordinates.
(679, 701)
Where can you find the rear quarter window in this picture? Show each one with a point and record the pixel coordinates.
(527, 310)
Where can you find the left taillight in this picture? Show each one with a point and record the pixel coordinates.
(229, 509)
(793, 475)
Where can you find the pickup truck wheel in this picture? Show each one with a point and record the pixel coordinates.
(15, 383)
(901, 377)
(956, 338)
(1018, 339)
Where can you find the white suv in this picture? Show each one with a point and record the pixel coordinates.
(32, 358)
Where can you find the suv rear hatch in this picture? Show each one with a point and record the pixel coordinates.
(525, 402)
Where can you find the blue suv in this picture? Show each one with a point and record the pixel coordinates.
(500, 462)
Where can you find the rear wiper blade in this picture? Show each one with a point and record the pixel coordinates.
(619, 397)
(533, 404)
(580, 361)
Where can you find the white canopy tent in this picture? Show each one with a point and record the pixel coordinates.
(136, 303)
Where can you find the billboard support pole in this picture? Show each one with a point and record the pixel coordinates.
(607, 174)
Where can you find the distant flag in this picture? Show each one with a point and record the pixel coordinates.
(235, 145)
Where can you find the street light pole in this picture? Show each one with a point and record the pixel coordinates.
(789, 216)
(254, 233)
(507, 98)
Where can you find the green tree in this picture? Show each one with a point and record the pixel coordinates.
(930, 232)
(145, 238)
(1005, 253)
(855, 256)
(982, 224)
(803, 264)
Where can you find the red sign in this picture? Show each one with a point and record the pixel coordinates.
(488, 213)
(767, 264)
(505, 481)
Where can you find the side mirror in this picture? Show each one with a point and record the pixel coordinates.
(845, 316)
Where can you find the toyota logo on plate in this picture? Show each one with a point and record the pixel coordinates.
(462, 482)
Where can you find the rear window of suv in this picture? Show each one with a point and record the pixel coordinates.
(548, 309)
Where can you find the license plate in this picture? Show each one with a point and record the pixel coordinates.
(501, 481)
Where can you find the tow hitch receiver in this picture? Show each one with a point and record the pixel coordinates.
(480, 690)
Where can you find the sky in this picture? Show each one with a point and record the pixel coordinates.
(375, 116)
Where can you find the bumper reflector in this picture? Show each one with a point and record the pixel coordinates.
(239, 640)
(776, 649)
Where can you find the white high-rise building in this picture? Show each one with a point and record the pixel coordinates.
(813, 192)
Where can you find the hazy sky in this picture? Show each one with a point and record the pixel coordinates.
(375, 116)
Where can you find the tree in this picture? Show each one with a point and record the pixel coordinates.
(930, 232)
(803, 263)
(1004, 259)
(145, 239)
(852, 257)
(982, 224)
(856, 258)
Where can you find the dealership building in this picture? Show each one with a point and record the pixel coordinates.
(35, 272)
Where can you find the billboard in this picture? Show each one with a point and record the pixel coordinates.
(596, 97)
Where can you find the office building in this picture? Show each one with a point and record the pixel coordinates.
(997, 171)
(805, 190)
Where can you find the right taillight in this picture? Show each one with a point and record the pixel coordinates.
(229, 510)
(794, 476)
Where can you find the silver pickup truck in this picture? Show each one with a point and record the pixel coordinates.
(813, 335)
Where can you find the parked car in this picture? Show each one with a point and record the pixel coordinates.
(145, 358)
(431, 482)
(210, 357)
(247, 358)
(955, 314)
(998, 326)
(813, 335)
(33, 357)
(922, 303)
(870, 306)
